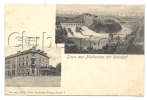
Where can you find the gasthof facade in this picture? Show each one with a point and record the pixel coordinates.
(26, 63)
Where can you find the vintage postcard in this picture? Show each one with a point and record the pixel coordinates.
(74, 49)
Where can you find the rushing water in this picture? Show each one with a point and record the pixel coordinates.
(95, 37)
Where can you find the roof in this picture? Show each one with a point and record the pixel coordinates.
(32, 50)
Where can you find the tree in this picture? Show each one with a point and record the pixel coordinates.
(89, 48)
(58, 69)
(103, 47)
(107, 46)
(117, 37)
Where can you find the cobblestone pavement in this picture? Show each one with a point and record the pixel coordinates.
(33, 81)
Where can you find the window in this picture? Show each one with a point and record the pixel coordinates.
(19, 58)
(26, 57)
(7, 67)
(13, 66)
(22, 64)
(22, 70)
(23, 58)
(19, 64)
(13, 62)
(26, 63)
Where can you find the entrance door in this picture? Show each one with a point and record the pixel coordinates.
(13, 72)
(27, 72)
(33, 71)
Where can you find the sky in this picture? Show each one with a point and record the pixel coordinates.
(96, 9)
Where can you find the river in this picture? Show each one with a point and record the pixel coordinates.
(96, 37)
(124, 31)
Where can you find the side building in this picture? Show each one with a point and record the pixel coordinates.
(27, 63)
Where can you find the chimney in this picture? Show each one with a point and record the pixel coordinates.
(45, 54)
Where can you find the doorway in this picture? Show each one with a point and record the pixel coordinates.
(33, 71)
(13, 72)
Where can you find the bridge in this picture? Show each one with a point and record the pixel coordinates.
(72, 24)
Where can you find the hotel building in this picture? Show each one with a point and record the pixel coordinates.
(27, 63)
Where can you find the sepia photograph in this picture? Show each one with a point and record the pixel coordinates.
(100, 29)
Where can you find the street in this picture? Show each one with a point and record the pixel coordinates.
(33, 81)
